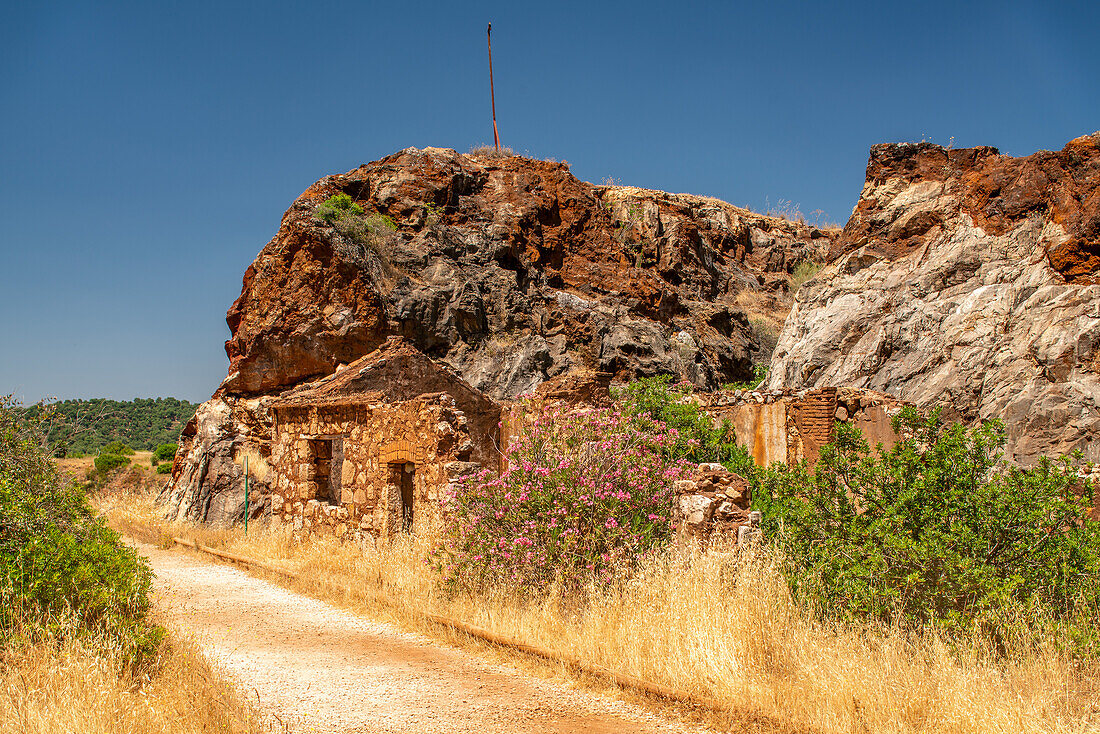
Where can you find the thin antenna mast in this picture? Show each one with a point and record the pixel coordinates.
(492, 94)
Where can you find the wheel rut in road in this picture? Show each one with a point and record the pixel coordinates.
(321, 668)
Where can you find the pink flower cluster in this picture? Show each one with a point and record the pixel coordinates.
(586, 495)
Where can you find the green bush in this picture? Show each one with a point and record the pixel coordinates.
(166, 452)
(937, 529)
(105, 463)
(759, 374)
(336, 208)
(803, 272)
(117, 447)
(62, 571)
(164, 469)
(697, 438)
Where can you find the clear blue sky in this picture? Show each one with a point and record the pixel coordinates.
(148, 150)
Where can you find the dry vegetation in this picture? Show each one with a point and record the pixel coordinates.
(489, 151)
(76, 687)
(76, 468)
(707, 625)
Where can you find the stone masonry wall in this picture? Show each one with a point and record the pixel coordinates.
(378, 439)
(788, 426)
(712, 506)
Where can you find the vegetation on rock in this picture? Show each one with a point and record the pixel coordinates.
(336, 208)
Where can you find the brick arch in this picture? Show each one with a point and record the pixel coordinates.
(401, 450)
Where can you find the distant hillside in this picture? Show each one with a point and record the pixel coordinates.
(84, 426)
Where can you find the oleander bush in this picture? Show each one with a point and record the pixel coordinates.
(586, 497)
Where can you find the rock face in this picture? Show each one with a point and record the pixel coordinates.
(207, 483)
(510, 270)
(968, 280)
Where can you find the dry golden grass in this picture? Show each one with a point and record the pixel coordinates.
(76, 688)
(708, 625)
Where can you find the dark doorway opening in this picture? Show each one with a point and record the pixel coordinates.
(401, 477)
(328, 463)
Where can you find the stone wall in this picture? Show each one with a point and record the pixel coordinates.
(712, 506)
(788, 426)
(379, 442)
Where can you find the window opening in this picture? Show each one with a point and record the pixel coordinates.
(328, 462)
(401, 477)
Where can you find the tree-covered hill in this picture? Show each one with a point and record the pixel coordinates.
(85, 426)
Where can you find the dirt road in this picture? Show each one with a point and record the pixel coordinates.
(321, 668)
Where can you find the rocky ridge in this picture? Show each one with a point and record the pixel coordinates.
(966, 280)
(510, 270)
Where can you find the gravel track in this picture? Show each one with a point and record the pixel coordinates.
(320, 668)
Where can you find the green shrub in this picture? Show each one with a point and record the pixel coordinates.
(937, 529)
(803, 272)
(166, 452)
(62, 571)
(336, 208)
(117, 447)
(759, 374)
(697, 438)
(164, 469)
(105, 463)
(376, 232)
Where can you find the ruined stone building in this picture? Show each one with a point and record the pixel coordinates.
(789, 426)
(369, 449)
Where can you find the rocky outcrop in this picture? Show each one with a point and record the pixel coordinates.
(513, 271)
(510, 270)
(967, 280)
(207, 483)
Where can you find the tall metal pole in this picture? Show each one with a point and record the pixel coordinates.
(246, 494)
(492, 94)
